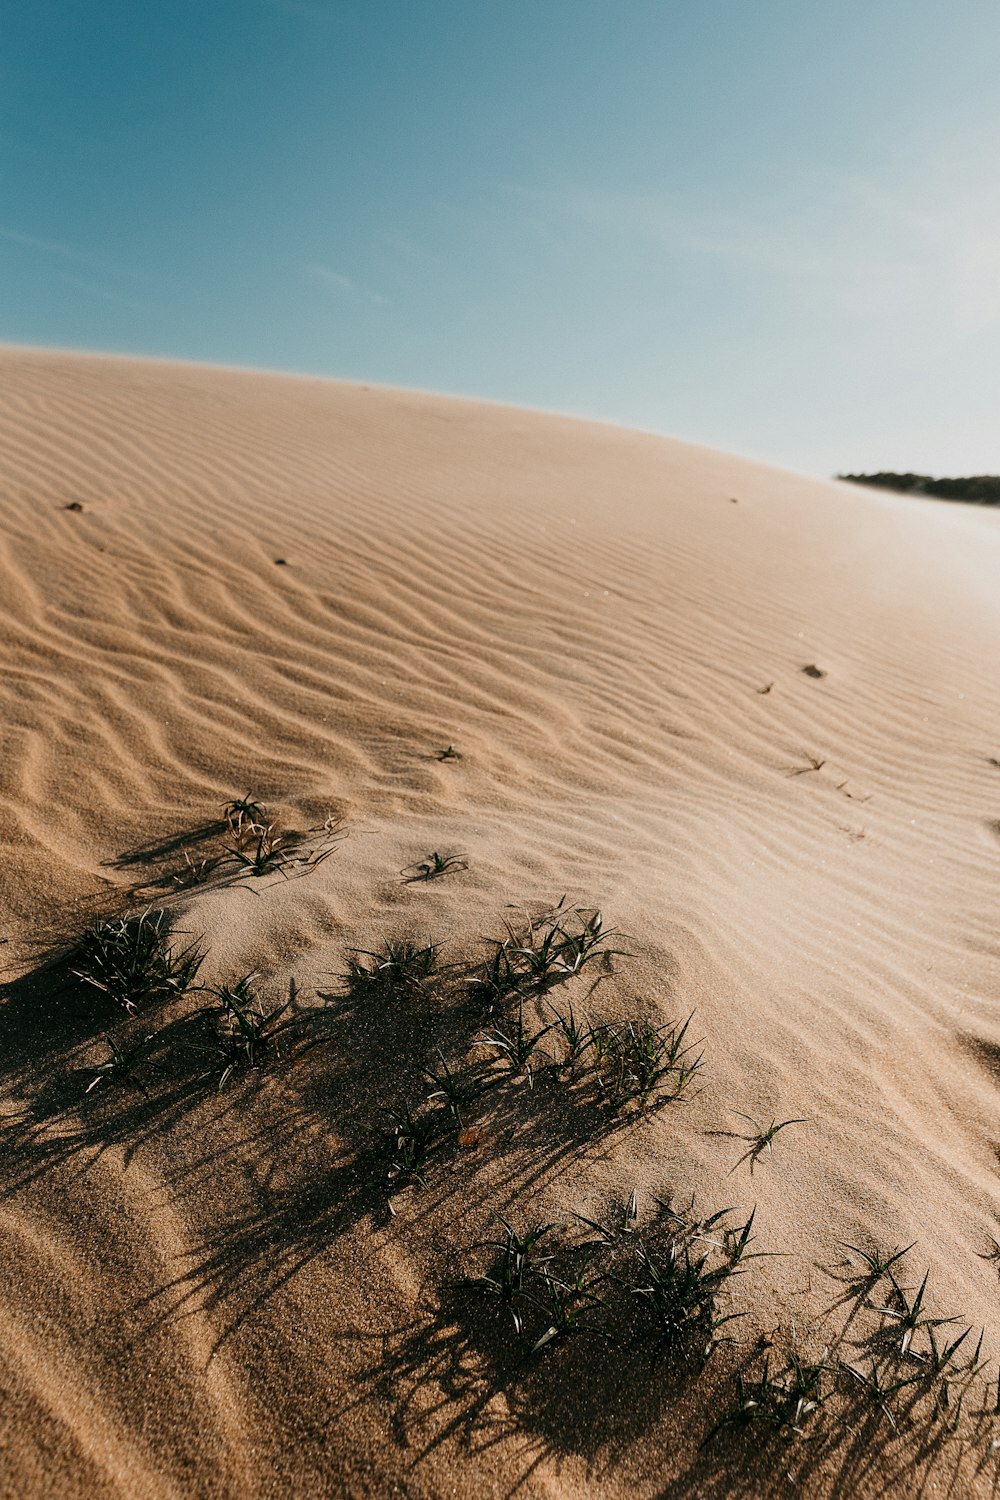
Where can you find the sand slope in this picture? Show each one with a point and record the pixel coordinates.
(205, 1294)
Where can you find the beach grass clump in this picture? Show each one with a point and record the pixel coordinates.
(788, 1404)
(654, 1291)
(516, 1264)
(637, 1062)
(195, 871)
(413, 1139)
(760, 1142)
(401, 964)
(878, 1387)
(585, 939)
(262, 854)
(609, 1066)
(516, 1046)
(544, 951)
(458, 1091)
(576, 1037)
(612, 1234)
(679, 1291)
(497, 978)
(262, 851)
(133, 960)
(560, 944)
(876, 1263)
(908, 1310)
(567, 1308)
(951, 1381)
(434, 866)
(124, 1064)
(244, 815)
(242, 1034)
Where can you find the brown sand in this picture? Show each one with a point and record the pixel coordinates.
(204, 1294)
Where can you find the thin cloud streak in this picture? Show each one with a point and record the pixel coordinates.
(868, 247)
(71, 253)
(328, 276)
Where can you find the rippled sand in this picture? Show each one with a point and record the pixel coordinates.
(216, 581)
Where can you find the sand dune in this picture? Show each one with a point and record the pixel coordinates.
(216, 581)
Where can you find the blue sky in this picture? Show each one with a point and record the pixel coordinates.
(770, 227)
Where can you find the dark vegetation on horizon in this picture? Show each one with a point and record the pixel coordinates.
(977, 489)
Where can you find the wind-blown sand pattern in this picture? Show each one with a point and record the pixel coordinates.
(206, 1293)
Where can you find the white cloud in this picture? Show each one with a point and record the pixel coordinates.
(331, 277)
(71, 253)
(925, 246)
(343, 283)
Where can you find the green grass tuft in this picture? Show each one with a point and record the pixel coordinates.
(133, 962)
(434, 866)
(400, 964)
(242, 1034)
(123, 1065)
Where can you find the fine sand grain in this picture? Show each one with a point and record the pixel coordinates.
(760, 737)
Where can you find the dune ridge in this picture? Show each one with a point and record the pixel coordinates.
(306, 589)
